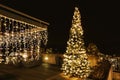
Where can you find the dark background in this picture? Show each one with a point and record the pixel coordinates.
(100, 21)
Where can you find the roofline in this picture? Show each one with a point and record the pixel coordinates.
(23, 14)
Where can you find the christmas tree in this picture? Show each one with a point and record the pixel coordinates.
(75, 62)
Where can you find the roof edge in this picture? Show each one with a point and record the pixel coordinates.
(23, 14)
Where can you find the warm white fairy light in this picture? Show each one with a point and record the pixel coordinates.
(75, 62)
(23, 40)
(18, 21)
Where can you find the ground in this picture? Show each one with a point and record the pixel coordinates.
(42, 72)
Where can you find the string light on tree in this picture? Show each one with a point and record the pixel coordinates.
(75, 61)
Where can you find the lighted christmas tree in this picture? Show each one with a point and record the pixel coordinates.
(75, 62)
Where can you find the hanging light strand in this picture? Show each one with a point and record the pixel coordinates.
(19, 40)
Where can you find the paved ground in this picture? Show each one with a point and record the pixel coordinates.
(42, 72)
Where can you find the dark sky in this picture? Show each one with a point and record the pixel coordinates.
(100, 20)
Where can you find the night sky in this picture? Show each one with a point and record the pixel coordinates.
(100, 20)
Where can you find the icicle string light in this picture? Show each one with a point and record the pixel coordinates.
(17, 20)
(20, 41)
